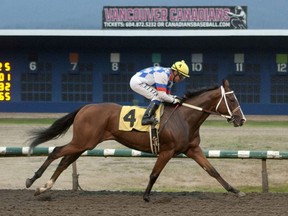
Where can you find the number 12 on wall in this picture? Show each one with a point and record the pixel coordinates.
(281, 61)
(282, 67)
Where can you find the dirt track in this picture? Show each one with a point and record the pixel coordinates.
(22, 202)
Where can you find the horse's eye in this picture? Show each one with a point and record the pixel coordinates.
(232, 100)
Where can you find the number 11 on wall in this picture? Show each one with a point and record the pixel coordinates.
(239, 59)
(239, 67)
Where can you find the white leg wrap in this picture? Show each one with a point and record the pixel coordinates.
(47, 186)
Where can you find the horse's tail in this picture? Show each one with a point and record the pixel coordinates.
(58, 128)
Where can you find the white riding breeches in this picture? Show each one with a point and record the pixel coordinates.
(144, 89)
(140, 85)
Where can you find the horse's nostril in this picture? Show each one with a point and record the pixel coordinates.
(242, 122)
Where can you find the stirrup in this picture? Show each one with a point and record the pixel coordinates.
(149, 121)
(154, 140)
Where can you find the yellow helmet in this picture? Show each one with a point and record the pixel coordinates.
(181, 67)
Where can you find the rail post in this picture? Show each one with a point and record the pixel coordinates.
(265, 184)
(75, 176)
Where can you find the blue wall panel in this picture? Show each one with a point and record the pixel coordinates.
(55, 87)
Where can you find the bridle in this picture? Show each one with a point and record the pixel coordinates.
(229, 117)
(223, 97)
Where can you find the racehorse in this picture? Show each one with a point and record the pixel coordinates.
(178, 133)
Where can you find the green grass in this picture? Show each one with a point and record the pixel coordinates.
(258, 189)
(266, 124)
(27, 121)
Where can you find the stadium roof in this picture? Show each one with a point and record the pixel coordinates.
(141, 33)
(146, 39)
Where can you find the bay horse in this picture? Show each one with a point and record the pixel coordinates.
(179, 133)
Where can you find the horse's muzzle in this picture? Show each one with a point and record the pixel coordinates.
(236, 122)
(242, 121)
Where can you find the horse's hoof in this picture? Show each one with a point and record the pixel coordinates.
(29, 182)
(241, 194)
(37, 192)
(146, 198)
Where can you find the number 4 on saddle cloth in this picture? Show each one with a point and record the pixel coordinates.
(131, 117)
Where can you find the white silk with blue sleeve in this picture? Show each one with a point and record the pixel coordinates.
(153, 83)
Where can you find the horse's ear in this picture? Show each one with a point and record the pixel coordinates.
(225, 83)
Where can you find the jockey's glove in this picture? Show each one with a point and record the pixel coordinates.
(177, 100)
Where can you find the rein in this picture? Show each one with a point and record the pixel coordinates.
(223, 96)
(169, 117)
(204, 110)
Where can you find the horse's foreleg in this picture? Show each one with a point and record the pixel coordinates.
(161, 162)
(201, 159)
(51, 157)
(64, 163)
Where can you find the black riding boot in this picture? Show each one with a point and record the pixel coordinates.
(148, 117)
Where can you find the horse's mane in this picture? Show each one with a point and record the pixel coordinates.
(195, 92)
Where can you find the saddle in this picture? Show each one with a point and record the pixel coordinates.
(130, 119)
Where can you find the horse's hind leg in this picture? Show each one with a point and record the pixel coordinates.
(64, 163)
(200, 158)
(51, 157)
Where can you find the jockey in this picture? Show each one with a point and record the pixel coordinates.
(155, 83)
